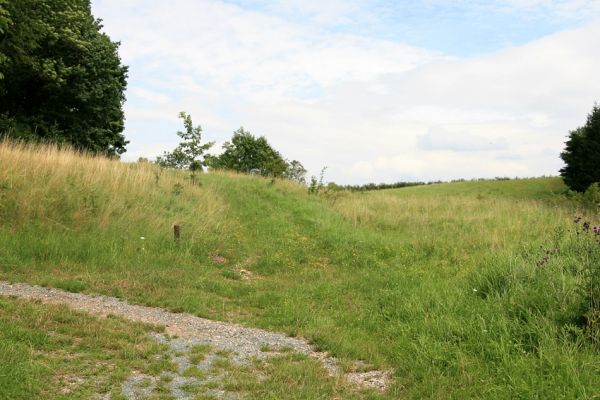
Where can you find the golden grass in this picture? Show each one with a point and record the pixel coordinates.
(62, 187)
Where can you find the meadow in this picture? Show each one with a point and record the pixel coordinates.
(465, 290)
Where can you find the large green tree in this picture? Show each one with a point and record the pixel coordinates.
(247, 153)
(61, 78)
(582, 154)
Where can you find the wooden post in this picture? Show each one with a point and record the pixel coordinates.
(177, 232)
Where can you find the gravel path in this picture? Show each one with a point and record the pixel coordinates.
(235, 344)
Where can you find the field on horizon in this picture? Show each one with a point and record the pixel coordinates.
(465, 290)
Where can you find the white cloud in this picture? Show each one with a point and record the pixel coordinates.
(435, 166)
(460, 139)
(331, 12)
(561, 8)
(370, 109)
(150, 95)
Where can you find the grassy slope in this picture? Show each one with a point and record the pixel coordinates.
(388, 277)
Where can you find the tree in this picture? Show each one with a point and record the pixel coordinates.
(246, 153)
(4, 23)
(188, 154)
(61, 78)
(582, 154)
(295, 171)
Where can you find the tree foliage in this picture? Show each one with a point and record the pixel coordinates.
(582, 154)
(189, 153)
(61, 78)
(249, 154)
(295, 171)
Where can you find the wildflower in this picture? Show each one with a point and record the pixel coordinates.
(474, 290)
(586, 226)
(577, 219)
(142, 238)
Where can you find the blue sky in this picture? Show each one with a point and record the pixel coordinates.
(375, 90)
(461, 28)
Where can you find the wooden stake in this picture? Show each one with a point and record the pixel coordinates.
(177, 232)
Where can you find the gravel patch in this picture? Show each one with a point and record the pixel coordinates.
(241, 344)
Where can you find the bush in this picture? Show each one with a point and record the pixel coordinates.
(589, 200)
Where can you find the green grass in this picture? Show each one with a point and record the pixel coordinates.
(49, 352)
(524, 189)
(438, 282)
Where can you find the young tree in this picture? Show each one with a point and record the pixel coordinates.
(61, 78)
(246, 153)
(295, 171)
(189, 153)
(582, 154)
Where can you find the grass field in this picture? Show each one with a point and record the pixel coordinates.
(466, 290)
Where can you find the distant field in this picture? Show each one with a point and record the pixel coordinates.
(442, 283)
(526, 189)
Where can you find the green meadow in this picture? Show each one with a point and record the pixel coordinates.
(465, 290)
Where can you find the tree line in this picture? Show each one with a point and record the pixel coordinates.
(244, 153)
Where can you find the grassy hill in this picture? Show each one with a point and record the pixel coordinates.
(466, 290)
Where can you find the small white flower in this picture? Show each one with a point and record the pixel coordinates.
(474, 290)
(142, 238)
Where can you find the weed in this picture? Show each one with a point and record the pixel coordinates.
(316, 186)
(177, 189)
(587, 253)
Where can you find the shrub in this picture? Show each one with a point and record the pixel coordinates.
(589, 200)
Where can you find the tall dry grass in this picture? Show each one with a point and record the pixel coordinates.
(45, 184)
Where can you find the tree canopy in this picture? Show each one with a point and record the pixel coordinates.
(582, 154)
(61, 78)
(249, 154)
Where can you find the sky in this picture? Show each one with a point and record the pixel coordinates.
(374, 90)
